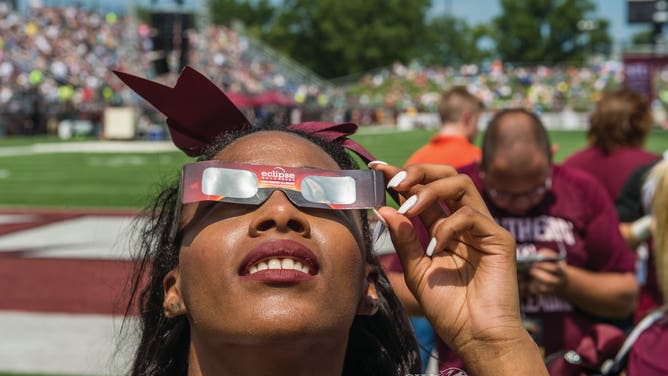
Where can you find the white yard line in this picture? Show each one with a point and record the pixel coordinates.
(64, 343)
(88, 237)
(89, 147)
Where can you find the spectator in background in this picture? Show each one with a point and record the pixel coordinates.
(633, 207)
(553, 212)
(647, 357)
(453, 144)
(618, 129)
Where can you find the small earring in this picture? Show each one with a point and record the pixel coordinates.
(174, 309)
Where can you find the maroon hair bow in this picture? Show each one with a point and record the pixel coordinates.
(336, 133)
(198, 112)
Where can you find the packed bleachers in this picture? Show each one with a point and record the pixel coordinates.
(55, 64)
(542, 88)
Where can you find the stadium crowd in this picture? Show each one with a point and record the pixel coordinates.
(542, 88)
(53, 59)
(56, 59)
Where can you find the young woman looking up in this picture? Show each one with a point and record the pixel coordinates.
(250, 275)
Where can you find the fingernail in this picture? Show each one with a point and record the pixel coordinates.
(431, 247)
(375, 163)
(397, 179)
(406, 206)
(377, 232)
(379, 217)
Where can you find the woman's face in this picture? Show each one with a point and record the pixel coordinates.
(220, 280)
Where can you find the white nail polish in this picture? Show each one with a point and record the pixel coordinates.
(407, 205)
(377, 232)
(375, 163)
(431, 247)
(397, 179)
(379, 217)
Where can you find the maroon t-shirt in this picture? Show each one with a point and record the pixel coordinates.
(577, 219)
(648, 354)
(613, 169)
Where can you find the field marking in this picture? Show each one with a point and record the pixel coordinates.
(64, 344)
(89, 147)
(89, 237)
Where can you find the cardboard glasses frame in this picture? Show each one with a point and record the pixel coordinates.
(250, 184)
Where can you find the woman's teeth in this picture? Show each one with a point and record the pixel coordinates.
(278, 263)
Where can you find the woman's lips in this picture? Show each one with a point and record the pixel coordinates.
(279, 261)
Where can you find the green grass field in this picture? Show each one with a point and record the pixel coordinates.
(32, 374)
(127, 180)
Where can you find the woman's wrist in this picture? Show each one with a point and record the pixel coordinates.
(511, 353)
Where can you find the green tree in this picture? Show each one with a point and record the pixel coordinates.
(256, 14)
(451, 41)
(337, 38)
(598, 39)
(549, 31)
(645, 37)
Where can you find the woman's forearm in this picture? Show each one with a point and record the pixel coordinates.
(610, 295)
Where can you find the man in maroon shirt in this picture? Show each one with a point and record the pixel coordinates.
(562, 215)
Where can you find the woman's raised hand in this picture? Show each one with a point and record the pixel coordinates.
(465, 277)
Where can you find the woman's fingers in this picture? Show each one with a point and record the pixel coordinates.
(405, 239)
(473, 229)
(425, 186)
(466, 235)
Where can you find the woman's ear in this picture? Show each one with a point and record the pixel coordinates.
(369, 302)
(173, 304)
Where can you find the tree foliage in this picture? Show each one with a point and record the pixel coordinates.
(255, 14)
(337, 38)
(452, 41)
(643, 37)
(549, 31)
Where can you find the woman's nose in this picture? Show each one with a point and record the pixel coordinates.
(279, 214)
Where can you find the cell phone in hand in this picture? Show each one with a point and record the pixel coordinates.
(525, 262)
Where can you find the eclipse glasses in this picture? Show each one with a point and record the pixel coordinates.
(305, 187)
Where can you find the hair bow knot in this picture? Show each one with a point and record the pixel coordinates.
(198, 112)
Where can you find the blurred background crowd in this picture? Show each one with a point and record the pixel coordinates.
(56, 64)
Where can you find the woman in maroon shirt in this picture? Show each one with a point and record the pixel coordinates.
(618, 129)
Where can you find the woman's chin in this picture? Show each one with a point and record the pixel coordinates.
(280, 332)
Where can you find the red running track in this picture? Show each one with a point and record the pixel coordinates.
(61, 285)
(64, 285)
